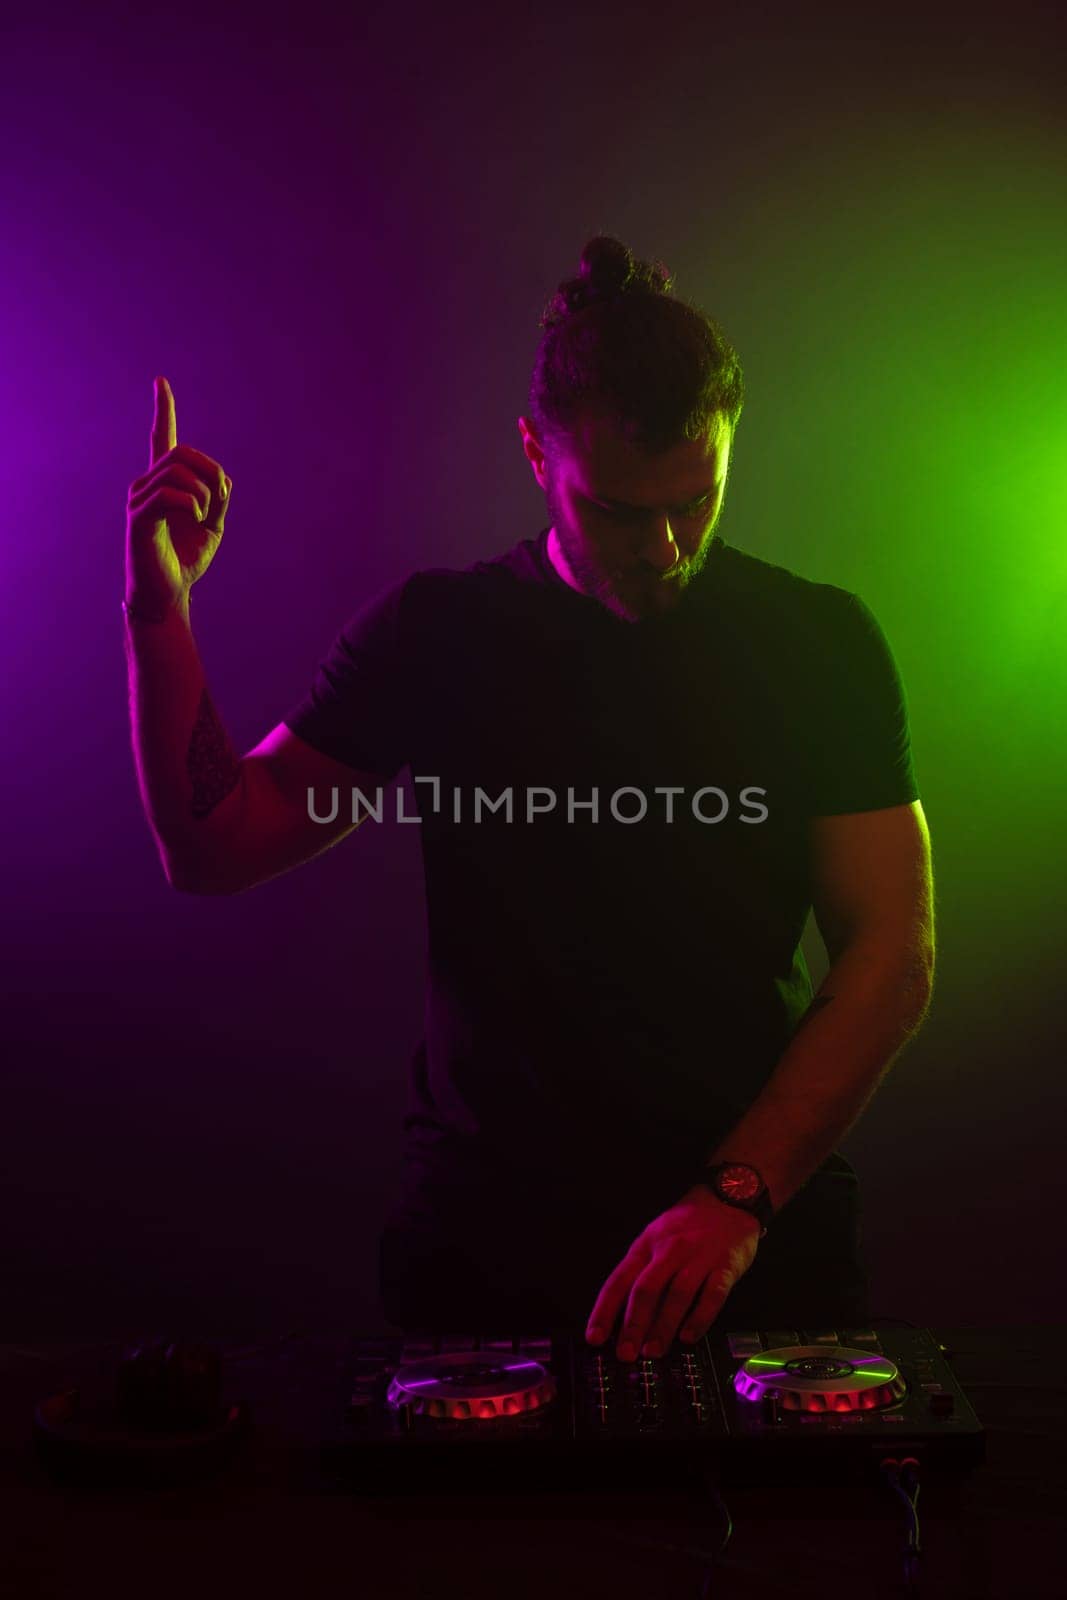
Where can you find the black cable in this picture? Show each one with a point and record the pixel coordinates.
(687, 1549)
(902, 1477)
(705, 1587)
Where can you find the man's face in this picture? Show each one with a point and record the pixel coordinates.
(633, 529)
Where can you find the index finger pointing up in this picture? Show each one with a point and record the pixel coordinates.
(164, 434)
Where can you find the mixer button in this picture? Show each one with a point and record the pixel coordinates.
(744, 1344)
(820, 1336)
(771, 1408)
(451, 1344)
(778, 1337)
(360, 1407)
(374, 1347)
(416, 1349)
(367, 1367)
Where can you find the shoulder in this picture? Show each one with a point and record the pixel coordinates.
(759, 592)
(490, 584)
(789, 622)
(748, 573)
(413, 617)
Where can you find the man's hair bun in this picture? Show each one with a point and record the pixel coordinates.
(607, 265)
(617, 344)
(608, 270)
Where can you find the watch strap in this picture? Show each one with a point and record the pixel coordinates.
(759, 1206)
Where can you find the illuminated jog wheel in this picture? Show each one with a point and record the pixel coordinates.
(471, 1386)
(821, 1378)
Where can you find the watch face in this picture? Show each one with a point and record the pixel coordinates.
(738, 1182)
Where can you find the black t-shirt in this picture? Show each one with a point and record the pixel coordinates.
(607, 992)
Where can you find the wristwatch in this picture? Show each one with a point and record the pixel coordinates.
(739, 1185)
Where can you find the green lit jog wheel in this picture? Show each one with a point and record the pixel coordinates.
(821, 1378)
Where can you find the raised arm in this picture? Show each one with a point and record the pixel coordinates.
(221, 822)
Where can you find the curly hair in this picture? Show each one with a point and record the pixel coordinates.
(617, 344)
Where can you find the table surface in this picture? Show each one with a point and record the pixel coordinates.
(268, 1524)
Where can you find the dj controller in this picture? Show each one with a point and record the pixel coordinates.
(425, 1412)
(411, 1414)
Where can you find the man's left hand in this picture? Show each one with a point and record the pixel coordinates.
(696, 1252)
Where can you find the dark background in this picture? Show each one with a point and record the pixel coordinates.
(335, 237)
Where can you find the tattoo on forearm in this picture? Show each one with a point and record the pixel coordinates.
(817, 1004)
(213, 768)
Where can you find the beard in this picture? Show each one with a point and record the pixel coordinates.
(629, 593)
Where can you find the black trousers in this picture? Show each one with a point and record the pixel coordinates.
(469, 1260)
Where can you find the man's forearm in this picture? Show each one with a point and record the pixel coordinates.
(871, 1002)
(187, 769)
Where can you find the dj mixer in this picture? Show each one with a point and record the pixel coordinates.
(425, 1412)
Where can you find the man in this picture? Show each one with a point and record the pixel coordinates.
(640, 756)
